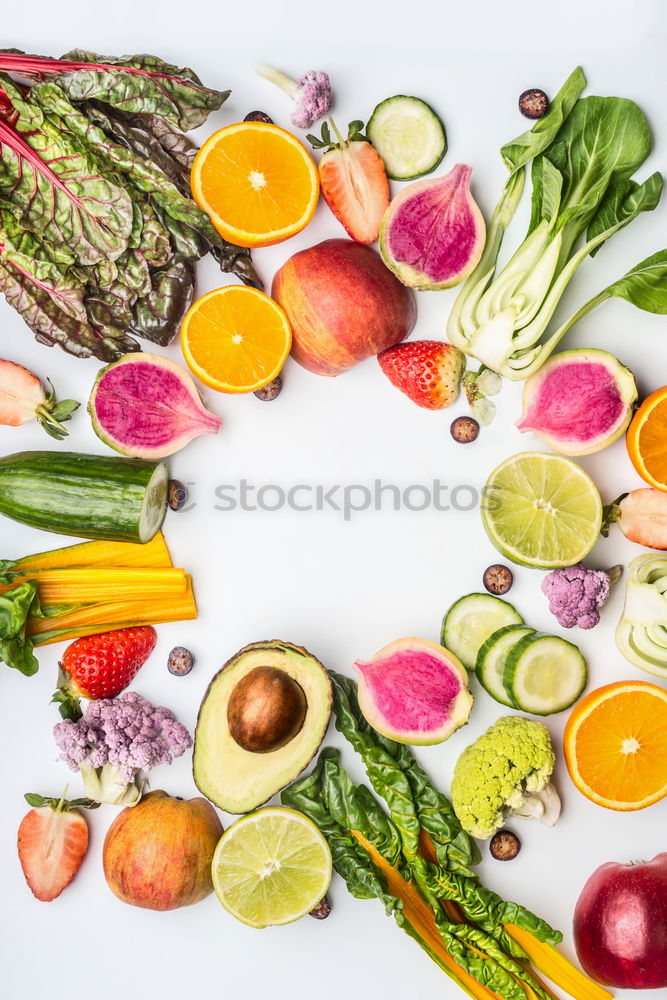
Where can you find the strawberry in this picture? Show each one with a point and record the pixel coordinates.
(22, 398)
(52, 843)
(353, 181)
(101, 666)
(428, 371)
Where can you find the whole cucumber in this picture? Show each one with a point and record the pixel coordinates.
(92, 496)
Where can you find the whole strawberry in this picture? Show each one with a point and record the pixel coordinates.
(428, 371)
(101, 666)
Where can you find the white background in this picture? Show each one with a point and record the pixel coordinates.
(341, 589)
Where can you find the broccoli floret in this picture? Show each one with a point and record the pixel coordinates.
(575, 593)
(116, 741)
(311, 94)
(507, 771)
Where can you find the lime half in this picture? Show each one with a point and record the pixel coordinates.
(542, 510)
(271, 867)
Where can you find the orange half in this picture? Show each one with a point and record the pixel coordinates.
(235, 339)
(646, 439)
(258, 183)
(616, 745)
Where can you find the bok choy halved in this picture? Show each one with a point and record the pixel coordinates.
(584, 154)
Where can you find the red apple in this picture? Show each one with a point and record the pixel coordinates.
(343, 304)
(620, 924)
(158, 853)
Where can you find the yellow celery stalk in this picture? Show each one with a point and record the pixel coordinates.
(92, 618)
(152, 555)
(75, 585)
(557, 968)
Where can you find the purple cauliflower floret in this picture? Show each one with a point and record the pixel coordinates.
(575, 593)
(311, 94)
(115, 741)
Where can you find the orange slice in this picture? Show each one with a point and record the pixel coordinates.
(646, 439)
(257, 183)
(235, 339)
(616, 745)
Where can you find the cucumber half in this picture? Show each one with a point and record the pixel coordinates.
(491, 660)
(471, 620)
(544, 674)
(154, 505)
(408, 135)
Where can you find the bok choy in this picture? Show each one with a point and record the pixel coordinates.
(584, 154)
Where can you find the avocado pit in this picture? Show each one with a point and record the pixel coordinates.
(266, 710)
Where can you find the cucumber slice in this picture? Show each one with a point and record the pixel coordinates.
(629, 639)
(491, 660)
(544, 674)
(471, 620)
(408, 135)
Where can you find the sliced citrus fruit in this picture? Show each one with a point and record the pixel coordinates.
(258, 183)
(616, 745)
(271, 867)
(541, 510)
(646, 439)
(235, 339)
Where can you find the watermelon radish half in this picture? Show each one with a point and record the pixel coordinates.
(147, 406)
(414, 691)
(579, 401)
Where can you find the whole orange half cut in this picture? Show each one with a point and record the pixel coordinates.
(257, 183)
(616, 745)
(646, 439)
(235, 339)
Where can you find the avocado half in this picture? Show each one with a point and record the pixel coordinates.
(238, 780)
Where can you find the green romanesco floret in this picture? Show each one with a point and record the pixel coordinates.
(506, 771)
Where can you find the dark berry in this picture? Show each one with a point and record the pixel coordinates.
(504, 845)
(270, 390)
(177, 494)
(533, 103)
(258, 116)
(498, 579)
(322, 910)
(464, 429)
(180, 661)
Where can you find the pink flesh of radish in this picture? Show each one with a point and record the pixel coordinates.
(435, 230)
(575, 402)
(145, 406)
(412, 689)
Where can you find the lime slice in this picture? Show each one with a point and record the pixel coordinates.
(271, 867)
(542, 510)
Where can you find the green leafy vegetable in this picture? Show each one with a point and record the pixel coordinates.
(98, 232)
(584, 153)
(15, 646)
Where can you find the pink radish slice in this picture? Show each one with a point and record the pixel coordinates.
(148, 406)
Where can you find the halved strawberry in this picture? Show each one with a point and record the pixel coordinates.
(22, 398)
(353, 180)
(101, 666)
(52, 843)
(428, 371)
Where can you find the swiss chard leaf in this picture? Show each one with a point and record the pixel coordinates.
(16, 648)
(140, 142)
(55, 187)
(174, 142)
(158, 315)
(159, 88)
(53, 326)
(141, 173)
